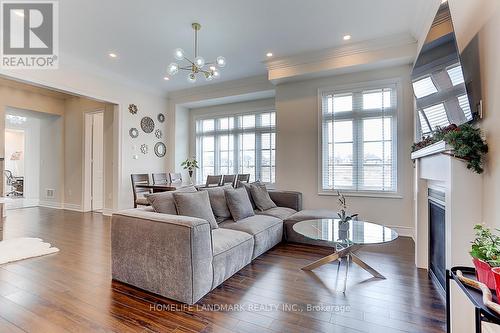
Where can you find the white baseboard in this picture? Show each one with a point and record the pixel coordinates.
(73, 207)
(50, 204)
(403, 231)
(107, 212)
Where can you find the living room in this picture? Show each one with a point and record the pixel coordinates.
(322, 217)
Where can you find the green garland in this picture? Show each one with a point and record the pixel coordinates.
(466, 142)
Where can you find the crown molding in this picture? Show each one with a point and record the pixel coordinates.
(342, 51)
(222, 89)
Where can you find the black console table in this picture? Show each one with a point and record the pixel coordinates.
(481, 313)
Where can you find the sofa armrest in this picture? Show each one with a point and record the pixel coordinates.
(289, 199)
(169, 255)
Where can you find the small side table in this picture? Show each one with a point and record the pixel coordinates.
(481, 312)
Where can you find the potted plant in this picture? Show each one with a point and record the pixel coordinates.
(190, 164)
(485, 254)
(344, 218)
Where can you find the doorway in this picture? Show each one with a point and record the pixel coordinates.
(94, 161)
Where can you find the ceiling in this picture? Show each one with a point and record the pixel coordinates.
(145, 33)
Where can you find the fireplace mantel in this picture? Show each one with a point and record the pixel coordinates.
(435, 148)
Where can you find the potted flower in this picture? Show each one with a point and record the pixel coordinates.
(190, 164)
(485, 254)
(343, 217)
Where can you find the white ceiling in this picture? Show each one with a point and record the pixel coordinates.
(145, 33)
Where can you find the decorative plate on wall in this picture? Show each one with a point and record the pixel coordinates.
(158, 134)
(147, 124)
(132, 108)
(144, 148)
(160, 149)
(161, 117)
(133, 132)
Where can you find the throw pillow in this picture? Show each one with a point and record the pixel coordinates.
(261, 197)
(195, 205)
(238, 203)
(218, 202)
(246, 186)
(163, 202)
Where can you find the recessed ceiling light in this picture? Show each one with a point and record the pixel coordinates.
(113, 55)
(166, 78)
(269, 54)
(347, 37)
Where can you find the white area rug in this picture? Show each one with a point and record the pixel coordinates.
(24, 248)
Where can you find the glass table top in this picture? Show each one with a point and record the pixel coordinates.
(352, 232)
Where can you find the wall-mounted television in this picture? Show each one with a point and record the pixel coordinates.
(446, 84)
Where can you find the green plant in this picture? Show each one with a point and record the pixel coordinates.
(190, 164)
(343, 208)
(466, 142)
(486, 246)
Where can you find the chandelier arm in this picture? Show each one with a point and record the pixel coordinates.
(192, 63)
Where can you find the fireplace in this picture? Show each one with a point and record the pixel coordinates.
(437, 238)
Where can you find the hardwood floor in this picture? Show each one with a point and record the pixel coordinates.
(72, 291)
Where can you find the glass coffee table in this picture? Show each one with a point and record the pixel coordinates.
(347, 238)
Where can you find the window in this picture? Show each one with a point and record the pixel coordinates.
(237, 144)
(358, 134)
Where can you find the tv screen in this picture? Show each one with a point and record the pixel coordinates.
(446, 84)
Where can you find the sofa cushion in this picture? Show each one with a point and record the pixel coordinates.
(142, 201)
(232, 251)
(218, 202)
(293, 236)
(246, 186)
(261, 197)
(195, 205)
(280, 212)
(163, 202)
(266, 230)
(238, 203)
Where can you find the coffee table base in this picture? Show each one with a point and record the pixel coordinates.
(349, 254)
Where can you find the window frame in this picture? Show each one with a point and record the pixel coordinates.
(349, 88)
(237, 131)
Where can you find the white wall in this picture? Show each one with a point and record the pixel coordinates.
(80, 78)
(14, 143)
(297, 147)
(482, 18)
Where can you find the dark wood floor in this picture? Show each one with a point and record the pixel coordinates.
(72, 290)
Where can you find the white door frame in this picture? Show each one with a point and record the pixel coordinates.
(87, 161)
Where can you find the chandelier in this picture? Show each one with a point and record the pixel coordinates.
(197, 66)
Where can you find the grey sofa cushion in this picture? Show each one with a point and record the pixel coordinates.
(280, 212)
(195, 205)
(218, 202)
(246, 186)
(266, 230)
(163, 202)
(293, 236)
(238, 203)
(261, 197)
(232, 251)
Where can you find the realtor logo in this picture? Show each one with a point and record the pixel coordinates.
(29, 34)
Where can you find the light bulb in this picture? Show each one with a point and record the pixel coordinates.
(221, 61)
(191, 78)
(179, 54)
(216, 75)
(212, 68)
(173, 68)
(199, 61)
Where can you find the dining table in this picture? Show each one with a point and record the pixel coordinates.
(165, 187)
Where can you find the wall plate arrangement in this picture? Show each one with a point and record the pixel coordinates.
(133, 132)
(144, 148)
(161, 117)
(160, 149)
(147, 124)
(158, 134)
(132, 108)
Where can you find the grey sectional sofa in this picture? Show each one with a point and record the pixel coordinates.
(181, 258)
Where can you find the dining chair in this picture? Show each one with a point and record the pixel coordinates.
(175, 177)
(213, 181)
(139, 199)
(160, 178)
(243, 177)
(228, 179)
